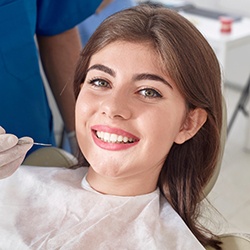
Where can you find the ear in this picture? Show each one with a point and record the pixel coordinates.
(193, 122)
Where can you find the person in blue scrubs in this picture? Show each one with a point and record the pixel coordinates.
(89, 25)
(29, 29)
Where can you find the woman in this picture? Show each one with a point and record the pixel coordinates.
(189, 62)
(148, 120)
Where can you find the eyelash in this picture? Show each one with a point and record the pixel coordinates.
(95, 83)
(155, 93)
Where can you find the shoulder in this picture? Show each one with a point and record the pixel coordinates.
(175, 231)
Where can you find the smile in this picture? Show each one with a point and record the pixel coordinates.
(113, 138)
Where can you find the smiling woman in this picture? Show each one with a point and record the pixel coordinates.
(131, 100)
(148, 121)
(154, 76)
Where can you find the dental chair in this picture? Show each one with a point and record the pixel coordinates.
(234, 242)
(56, 157)
(50, 157)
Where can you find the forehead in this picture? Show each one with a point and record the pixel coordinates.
(124, 52)
(130, 59)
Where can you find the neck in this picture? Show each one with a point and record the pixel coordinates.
(121, 186)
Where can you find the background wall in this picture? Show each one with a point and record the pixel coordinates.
(235, 6)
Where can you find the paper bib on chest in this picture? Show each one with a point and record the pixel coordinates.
(47, 208)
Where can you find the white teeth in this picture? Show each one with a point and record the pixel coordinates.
(125, 139)
(106, 137)
(119, 139)
(113, 138)
(99, 134)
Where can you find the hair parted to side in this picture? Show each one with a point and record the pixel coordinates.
(188, 59)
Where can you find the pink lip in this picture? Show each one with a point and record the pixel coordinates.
(112, 146)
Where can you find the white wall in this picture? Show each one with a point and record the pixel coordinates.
(238, 7)
(241, 7)
(238, 60)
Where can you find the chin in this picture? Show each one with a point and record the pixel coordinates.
(107, 170)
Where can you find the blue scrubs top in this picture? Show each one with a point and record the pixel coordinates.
(24, 109)
(89, 25)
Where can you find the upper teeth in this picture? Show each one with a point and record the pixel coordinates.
(114, 138)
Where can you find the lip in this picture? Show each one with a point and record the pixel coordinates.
(109, 145)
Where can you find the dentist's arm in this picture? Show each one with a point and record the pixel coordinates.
(11, 153)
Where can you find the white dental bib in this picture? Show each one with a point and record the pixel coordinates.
(46, 208)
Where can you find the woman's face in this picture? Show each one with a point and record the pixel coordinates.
(128, 113)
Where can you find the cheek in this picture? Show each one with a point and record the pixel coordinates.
(165, 127)
(83, 111)
(82, 116)
(83, 106)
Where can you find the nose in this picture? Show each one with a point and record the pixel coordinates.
(116, 106)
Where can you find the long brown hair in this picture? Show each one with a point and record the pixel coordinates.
(188, 59)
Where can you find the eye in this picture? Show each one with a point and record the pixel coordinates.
(97, 82)
(150, 93)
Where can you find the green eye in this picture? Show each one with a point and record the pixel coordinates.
(99, 83)
(150, 93)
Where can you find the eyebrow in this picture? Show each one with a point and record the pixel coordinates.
(153, 77)
(103, 68)
(138, 77)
